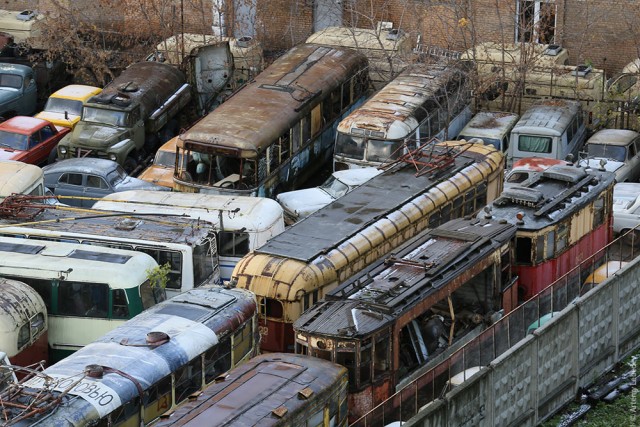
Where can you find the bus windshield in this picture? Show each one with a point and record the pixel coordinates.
(102, 116)
(381, 151)
(203, 262)
(349, 146)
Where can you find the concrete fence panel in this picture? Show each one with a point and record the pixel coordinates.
(557, 373)
(513, 387)
(469, 402)
(628, 284)
(597, 348)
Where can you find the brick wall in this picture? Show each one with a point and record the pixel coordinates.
(603, 32)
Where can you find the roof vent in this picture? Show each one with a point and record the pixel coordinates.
(94, 371)
(552, 50)
(581, 70)
(305, 393)
(127, 224)
(155, 339)
(128, 87)
(26, 15)
(280, 411)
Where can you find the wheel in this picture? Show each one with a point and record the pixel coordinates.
(129, 165)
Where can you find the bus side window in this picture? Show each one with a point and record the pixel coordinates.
(365, 362)
(306, 129)
(157, 399)
(523, 250)
(42, 287)
(381, 356)
(335, 103)
(125, 415)
(316, 419)
(120, 307)
(233, 244)
(175, 262)
(83, 299)
(346, 94)
(242, 342)
(217, 360)
(188, 380)
(295, 138)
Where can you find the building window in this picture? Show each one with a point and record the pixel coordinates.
(536, 21)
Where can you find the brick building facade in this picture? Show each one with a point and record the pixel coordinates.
(601, 32)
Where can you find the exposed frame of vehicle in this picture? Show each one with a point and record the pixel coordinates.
(409, 308)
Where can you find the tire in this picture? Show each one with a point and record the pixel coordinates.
(129, 165)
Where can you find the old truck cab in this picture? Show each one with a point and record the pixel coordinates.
(18, 92)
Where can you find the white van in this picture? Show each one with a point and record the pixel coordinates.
(551, 128)
(492, 127)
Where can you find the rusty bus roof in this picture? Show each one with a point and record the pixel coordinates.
(420, 270)
(268, 106)
(549, 196)
(193, 321)
(254, 392)
(404, 98)
(326, 228)
(88, 224)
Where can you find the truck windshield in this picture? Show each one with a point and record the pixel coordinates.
(61, 105)
(102, 116)
(13, 140)
(10, 80)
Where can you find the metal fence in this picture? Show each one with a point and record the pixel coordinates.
(527, 371)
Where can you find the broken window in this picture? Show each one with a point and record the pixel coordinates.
(536, 21)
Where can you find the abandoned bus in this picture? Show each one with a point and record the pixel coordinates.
(277, 131)
(270, 390)
(241, 224)
(23, 324)
(408, 309)
(145, 367)
(187, 245)
(564, 215)
(88, 290)
(298, 267)
(423, 102)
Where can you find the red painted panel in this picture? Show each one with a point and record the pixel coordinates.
(33, 354)
(533, 279)
(276, 336)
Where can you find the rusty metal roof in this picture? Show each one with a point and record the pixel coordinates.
(420, 269)
(326, 228)
(268, 106)
(260, 392)
(88, 224)
(405, 97)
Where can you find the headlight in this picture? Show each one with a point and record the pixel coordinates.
(63, 150)
(113, 157)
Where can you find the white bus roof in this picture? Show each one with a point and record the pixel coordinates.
(489, 124)
(16, 177)
(547, 117)
(35, 259)
(250, 213)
